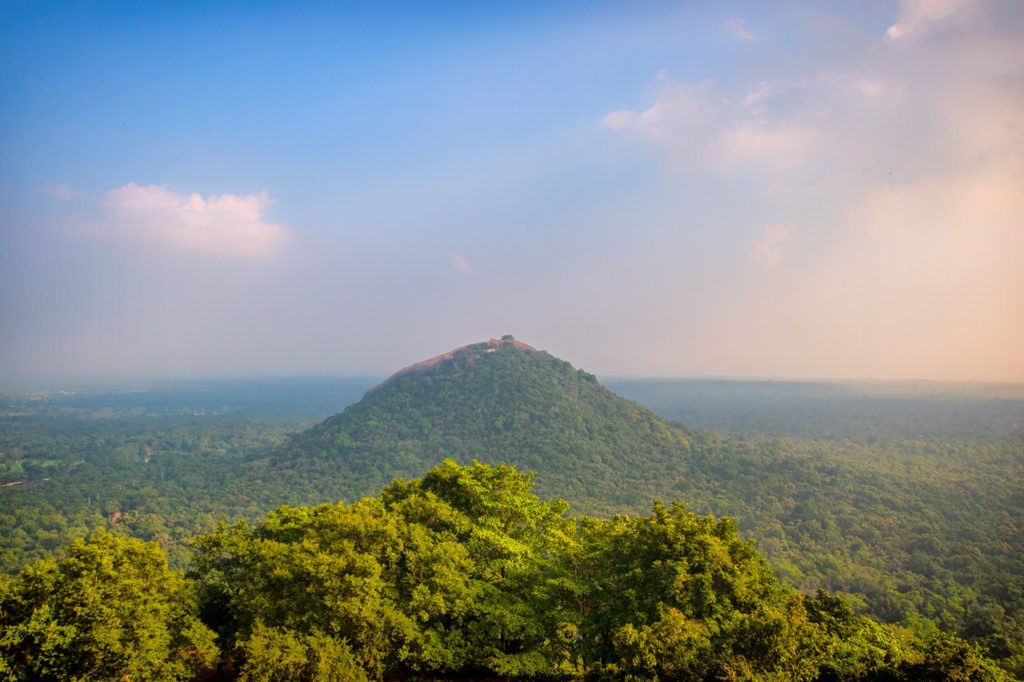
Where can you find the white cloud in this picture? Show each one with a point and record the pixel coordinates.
(900, 158)
(228, 224)
(702, 125)
(922, 107)
(768, 249)
(738, 29)
(618, 120)
(918, 14)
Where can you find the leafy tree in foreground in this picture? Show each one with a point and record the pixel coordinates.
(463, 574)
(680, 596)
(466, 574)
(441, 575)
(110, 610)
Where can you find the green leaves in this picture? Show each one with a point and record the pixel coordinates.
(678, 595)
(447, 573)
(463, 573)
(111, 609)
(285, 655)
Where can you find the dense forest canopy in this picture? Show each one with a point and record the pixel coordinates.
(907, 501)
(464, 573)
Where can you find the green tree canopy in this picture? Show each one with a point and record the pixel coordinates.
(466, 573)
(111, 609)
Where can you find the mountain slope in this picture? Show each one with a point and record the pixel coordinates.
(499, 401)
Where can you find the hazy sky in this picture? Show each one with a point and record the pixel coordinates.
(773, 189)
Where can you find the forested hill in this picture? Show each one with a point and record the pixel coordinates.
(497, 401)
(922, 526)
(927, 533)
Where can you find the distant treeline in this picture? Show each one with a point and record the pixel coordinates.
(833, 410)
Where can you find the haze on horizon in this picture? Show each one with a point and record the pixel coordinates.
(789, 190)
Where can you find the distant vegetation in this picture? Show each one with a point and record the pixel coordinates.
(461, 574)
(907, 502)
(860, 411)
(158, 462)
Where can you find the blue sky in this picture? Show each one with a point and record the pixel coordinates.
(825, 190)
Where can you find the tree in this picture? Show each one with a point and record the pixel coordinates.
(110, 609)
(465, 573)
(681, 596)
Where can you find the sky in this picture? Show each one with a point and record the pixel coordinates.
(829, 190)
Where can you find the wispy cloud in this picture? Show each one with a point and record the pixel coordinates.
(918, 14)
(63, 191)
(947, 98)
(899, 156)
(226, 224)
(704, 126)
(461, 265)
(768, 249)
(738, 29)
